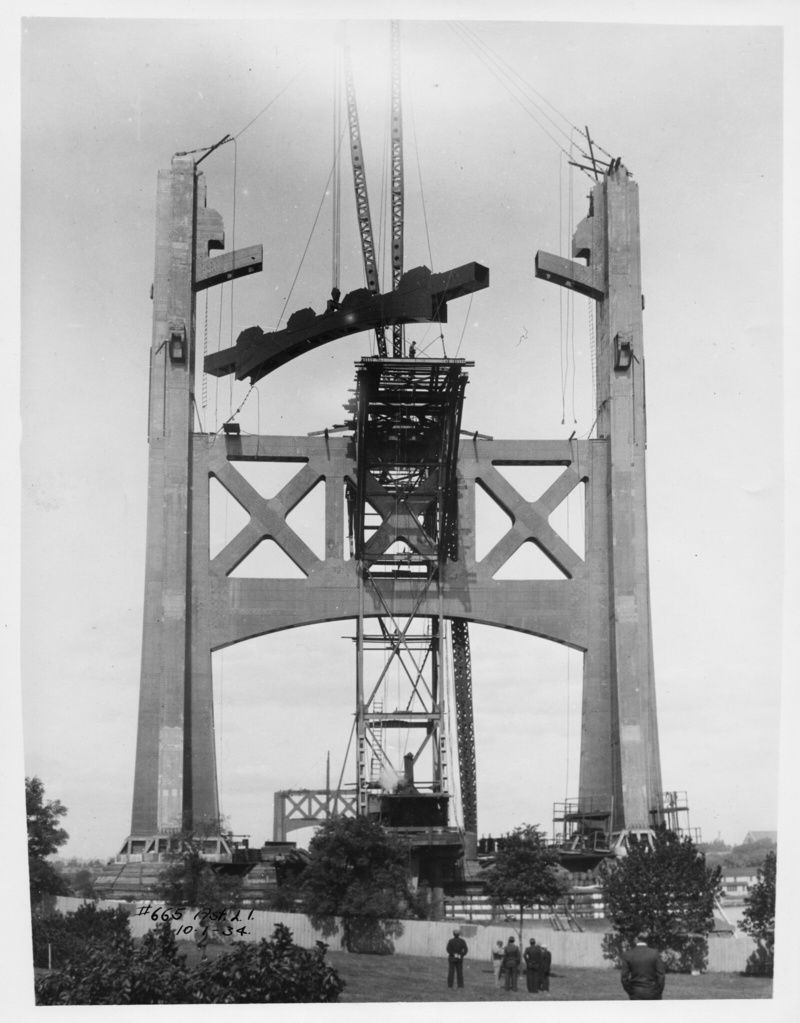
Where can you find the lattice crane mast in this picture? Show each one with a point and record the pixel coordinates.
(397, 183)
(362, 198)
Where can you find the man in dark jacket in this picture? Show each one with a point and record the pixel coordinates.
(511, 964)
(643, 971)
(456, 950)
(533, 966)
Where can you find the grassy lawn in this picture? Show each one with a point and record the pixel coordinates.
(417, 979)
(371, 978)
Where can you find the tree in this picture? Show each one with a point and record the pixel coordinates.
(749, 854)
(666, 892)
(357, 871)
(45, 836)
(190, 880)
(82, 883)
(525, 872)
(758, 919)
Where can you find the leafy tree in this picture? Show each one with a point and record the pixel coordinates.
(525, 872)
(45, 836)
(117, 973)
(357, 871)
(79, 875)
(190, 880)
(667, 893)
(81, 883)
(749, 854)
(758, 919)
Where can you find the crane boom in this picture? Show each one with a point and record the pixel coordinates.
(362, 199)
(397, 182)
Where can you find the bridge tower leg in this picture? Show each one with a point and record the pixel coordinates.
(620, 760)
(175, 782)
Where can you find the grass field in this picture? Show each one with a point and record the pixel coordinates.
(395, 978)
(371, 978)
(416, 979)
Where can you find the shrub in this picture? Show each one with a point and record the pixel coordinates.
(67, 935)
(271, 971)
(685, 954)
(113, 972)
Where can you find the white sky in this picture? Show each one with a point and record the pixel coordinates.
(695, 112)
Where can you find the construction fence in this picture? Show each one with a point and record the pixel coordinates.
(726, 954)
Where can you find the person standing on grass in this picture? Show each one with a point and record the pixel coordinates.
(533, 966)
(547, 959)
(456, 950)
(497, 962)
(643, 971)
(511, 964)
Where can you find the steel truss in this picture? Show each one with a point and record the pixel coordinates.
(403, 526)
(465, 726)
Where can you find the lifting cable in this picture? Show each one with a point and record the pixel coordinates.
(570, 293)
(440, 336)
(561, 290)
(308, 242)
(421, 188)
(274, 99)
(337, 172)
(207, 151)
(463, 329)
(522, 92)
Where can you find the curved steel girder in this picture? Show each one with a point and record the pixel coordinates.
(421, 297)
(246, 608)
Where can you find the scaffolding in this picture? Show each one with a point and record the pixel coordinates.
(403, 526)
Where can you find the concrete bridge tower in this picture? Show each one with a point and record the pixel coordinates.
(194, 606)
(620, 760)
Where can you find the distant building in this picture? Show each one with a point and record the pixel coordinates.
(760, 836)
(737, 881)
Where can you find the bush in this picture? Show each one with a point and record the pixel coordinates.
(98, 975)
(685, 953)
(112, 972)
(67, 935)
(271, 971)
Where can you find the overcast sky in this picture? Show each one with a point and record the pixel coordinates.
(695, 112)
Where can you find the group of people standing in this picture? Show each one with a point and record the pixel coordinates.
(642, 977)
(508, 962)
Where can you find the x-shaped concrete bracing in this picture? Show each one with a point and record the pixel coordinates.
(267, 518)
(529, 522)
(247, 607)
